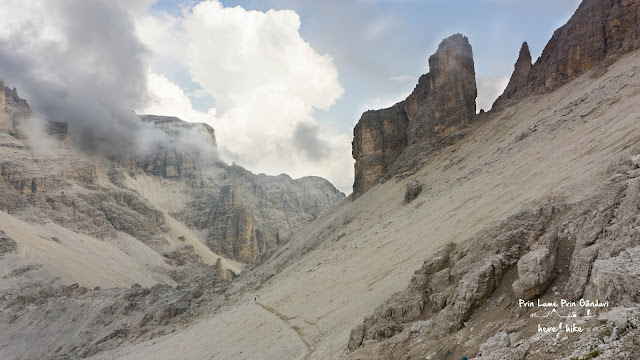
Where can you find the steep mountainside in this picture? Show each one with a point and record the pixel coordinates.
(241, 215)
(550, 150)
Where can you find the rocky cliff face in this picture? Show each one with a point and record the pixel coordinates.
(378, 139)
(181, 155)
(440, 107)
(13, 109)
(246, 216)
(177, 216)
(444, 100)
(520, 77)
(598, 29)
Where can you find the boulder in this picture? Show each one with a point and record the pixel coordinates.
(536, 270)
(414, 188)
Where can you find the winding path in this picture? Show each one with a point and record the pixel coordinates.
(287, 320)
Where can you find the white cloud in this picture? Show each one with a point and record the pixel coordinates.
(135, 7)
(489, 88)
(166, 98)
(164, 37)
(266, 82)
(232, 52)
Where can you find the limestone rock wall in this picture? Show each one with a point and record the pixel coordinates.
(445, 98)
(379, 138)
(247, 216)
(520, 77)
(242, 216)
(180, 155)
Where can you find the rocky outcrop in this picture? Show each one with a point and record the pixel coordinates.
(26, 165)
(441, 106)
(498, 342)
(182, 154)
(224, 274)
(129, 213)
(598, 29)
(536, 269)
(234, 234)
(520, 77)
(444, 101)
(7, 244)
(618, 278)
(90, 321)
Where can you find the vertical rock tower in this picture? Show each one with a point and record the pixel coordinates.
(443, 103)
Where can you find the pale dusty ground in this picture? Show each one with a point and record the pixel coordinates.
(80, 258)
(308, 309)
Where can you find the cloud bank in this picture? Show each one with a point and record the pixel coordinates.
(79, 62)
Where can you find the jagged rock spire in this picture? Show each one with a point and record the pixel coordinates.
(519, 78)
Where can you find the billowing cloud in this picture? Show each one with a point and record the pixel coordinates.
(232, 52)
(166, 98)
(79, 62)
(266, 81)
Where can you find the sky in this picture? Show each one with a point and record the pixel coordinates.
(283, 82)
